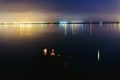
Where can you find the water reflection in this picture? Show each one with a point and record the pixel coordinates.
(32, 30)
(74, 29)
(98, 55)
(25, 30)
(22, 30)
(91, 29)
(119, 27)
(101, 23)
(83, 49)
(65, 27)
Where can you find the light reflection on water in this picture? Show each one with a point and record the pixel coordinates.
(74, 29)
(16, 31)
(22, 30)
(79, 42)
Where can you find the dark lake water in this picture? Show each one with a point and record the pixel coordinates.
(79, 43)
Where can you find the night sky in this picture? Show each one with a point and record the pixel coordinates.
(58, 9)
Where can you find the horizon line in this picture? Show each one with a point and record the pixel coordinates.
(64, 22)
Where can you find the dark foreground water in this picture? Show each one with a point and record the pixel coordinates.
(80, 44)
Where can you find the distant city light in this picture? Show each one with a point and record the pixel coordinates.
(101, 23)
(63, 22)
(41, 22)
(77, 21)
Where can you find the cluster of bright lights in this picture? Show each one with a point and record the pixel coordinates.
(66, 22)
(63, 22)
(59, 22)
(22, 22)
(76, 21)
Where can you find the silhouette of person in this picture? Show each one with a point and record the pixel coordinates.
(45, 51)
(52, 52)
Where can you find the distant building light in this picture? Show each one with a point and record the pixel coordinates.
(63, 22)
(41, 22)
(101, 22)
(76, 21)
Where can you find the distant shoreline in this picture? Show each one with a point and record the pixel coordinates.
(89, 22)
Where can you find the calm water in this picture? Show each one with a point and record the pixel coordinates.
(20, 43)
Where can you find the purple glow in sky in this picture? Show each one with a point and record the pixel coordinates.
(59, 9)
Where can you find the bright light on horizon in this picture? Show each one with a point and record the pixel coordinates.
(63, 22)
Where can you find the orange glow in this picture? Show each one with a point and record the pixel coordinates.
(51, 24)
(25, 29)
(21, 30)
(31, 16)
(119, 26)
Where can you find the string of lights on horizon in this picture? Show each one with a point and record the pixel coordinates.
(63, 22)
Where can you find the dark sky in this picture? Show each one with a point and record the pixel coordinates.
(61, 8)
